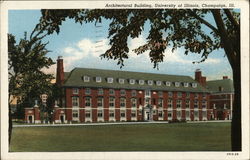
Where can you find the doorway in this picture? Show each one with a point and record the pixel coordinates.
(62, 118)
(30, 119)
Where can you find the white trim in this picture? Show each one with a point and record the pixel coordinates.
(37, 121)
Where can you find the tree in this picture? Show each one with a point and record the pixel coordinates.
(169, 28)
(26, 80)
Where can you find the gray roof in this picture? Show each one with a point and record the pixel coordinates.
(75, 79)
(226, 84)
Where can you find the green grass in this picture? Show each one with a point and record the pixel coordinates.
(135, 137)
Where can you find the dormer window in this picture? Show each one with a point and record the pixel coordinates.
(150, 82)
(194, 85)
(86, 78)
(110, 80)
(158, 83)
(168, 84)
(141, 82)
(131, 81)
(98, 79)
(185, 84)
(121, 81)
(177, 84)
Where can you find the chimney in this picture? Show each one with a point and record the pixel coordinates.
(199, 78)
(225, 77)
(60, 71)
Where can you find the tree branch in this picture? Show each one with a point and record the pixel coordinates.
(232, 19)
(204, 22)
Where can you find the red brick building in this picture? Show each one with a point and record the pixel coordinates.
(96, 95)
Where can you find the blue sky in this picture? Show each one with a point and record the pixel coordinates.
(81, 46)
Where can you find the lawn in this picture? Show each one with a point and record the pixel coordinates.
(134, 137)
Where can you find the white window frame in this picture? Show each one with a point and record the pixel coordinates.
(186, 84)
(179, 94)
(177, 84)
(112, 101)
(178, 114)
(88, 119)
(194, 85)
(132, 81)
(122, 92)
(170, 94)
(100, 91)
(110, 79)
(87, 91)
(75, 111)
(111, 90)
(75, 90)
(133, 93)
(168, 83)
(187, 115)
(121, 80)
(147, 93)
(98, 79)
(179, 104)
(141, 82)
(122, 102)
(150, 82)
(75, 101)
(86, 78)
(158, 83)
(160, 102)
(187, 103)
(170, 113)
(99, 102)
(133, 102)
(170, 103)
(89, 101)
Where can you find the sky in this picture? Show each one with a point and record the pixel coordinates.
(82, 45)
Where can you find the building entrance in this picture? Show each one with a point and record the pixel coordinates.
(148, 113)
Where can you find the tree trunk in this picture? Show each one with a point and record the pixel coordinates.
(10, 124)
(233, 55)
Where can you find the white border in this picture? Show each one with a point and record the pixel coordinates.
(5, 6)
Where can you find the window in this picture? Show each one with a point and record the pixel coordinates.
(158, 83)
(133, 93)
(131, 81)
(160, 114)
(100, 91)
(98, 79)
(204, 95)
(75, 113)
(185, 84)
(99, 114)
(170, 94)
(204, 104)
(122, 102)
(169, 114)
(178, 105)
(178, 114)
(87, 91)
(160, 93)
(86, 78)
(111, 113)
(133, 102)
(123, 114)
(170, 103)
(147, 92)
(177, 84)
(147, 100)
(110, 80)
(121, 81)
(194, 85)
(75, 101)
(168, 84)
(122, 92)
(111, 92)
(75, 90)
(204, 114)
(196, 95)
(141, 82)
(179, 94)
(196, 113)
(195, 104)
(187, 114)
(133, 113)
(160, 102)
(87, 114)
(187, 94)
(111, 102)
(87, 101)
(187, 103)
(99, 102)
(150, 82)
